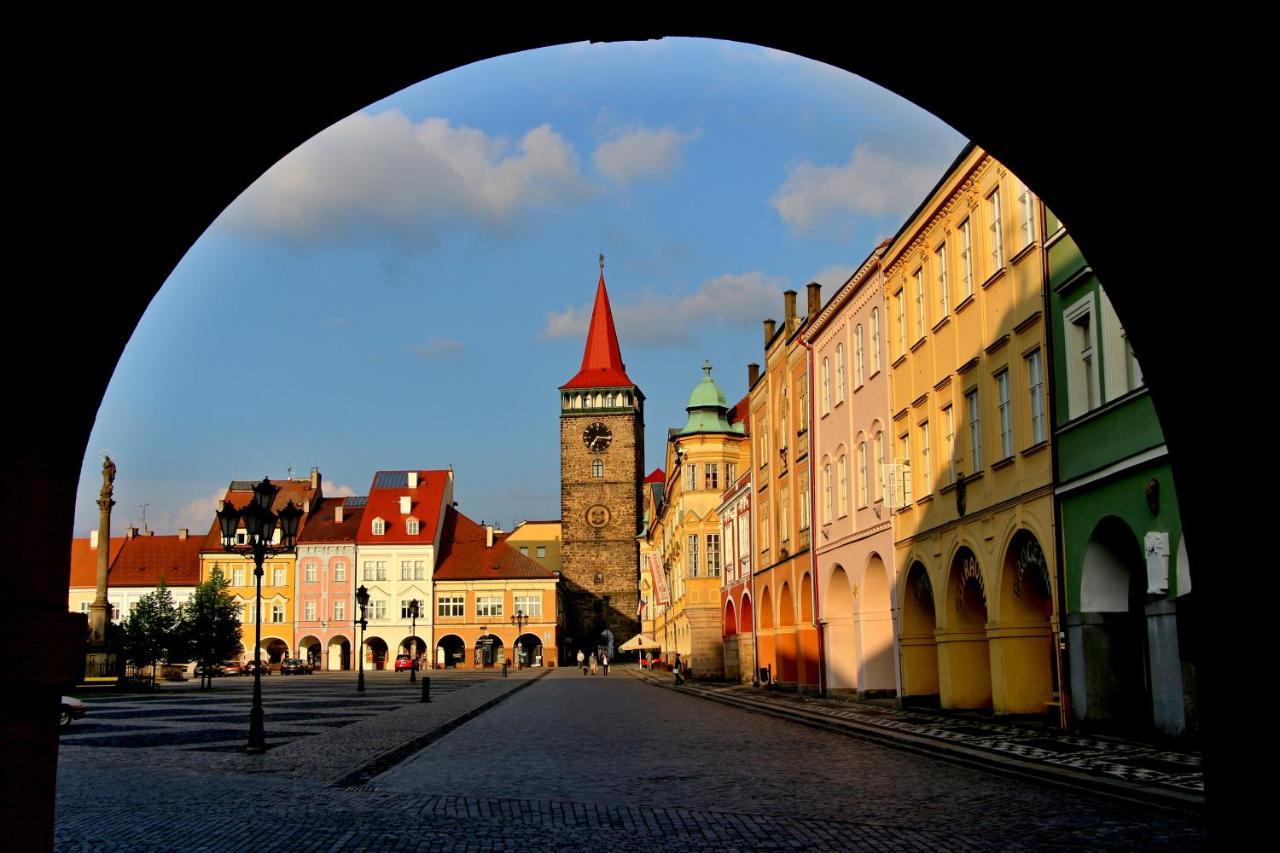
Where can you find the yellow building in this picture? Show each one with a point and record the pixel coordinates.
(538, 540)
(684, 533)
(968, 469)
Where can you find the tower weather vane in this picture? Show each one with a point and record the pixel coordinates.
(602, 262)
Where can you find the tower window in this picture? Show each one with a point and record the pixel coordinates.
(597, 468)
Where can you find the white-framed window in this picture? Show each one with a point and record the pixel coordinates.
(309, 611)
(826, 385)
(1006, 414)
(1035, 389)
(310, 572)
(339, 609)
(542, 551)
(879, 450)
(1026, 218)
(691, 556)
(862, 473)
(804, 503)
(826, 494)
(404, 608)
(377, 609)
(713, 555)
(419, 570)
(340, 571)
(730, 474)
(966, 257)
(842, 487)
(784, 515)
(529, 603)
(926, 470)
(380, 570)
(858, 364)
(764, 526)
(784, 407)
(949, 442)
(904, 447)
(597, 468)
(1082, 367)
(488, 606)
(379, 527)
(406, 570)
(994, 228)
(899, 299)
(237, 577)
(412, 526)
(875, 339)
(943, 287)
(368, 571)
(802, 395)
(277, 577)
(451, 605)
(920, 318)
(712, 475)
(840, 373)
(277, 612)
(691, 476)
(763, 432)
(975, 430)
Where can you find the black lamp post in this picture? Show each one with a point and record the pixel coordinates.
(260, 526)
(413, 632)
(362, 599)
(518, 619)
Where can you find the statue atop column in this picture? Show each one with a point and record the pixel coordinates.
(108, 477)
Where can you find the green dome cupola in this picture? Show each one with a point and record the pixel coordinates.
(708, 410)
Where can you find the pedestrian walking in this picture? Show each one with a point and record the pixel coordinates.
(582, 661)
(594, 663)
(676, 668)
(604, 663)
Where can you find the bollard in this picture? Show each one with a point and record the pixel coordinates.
(426, 689)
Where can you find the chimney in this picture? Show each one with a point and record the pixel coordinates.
(405, 504)
(770, 326)
(753, 375)
(815, 298)
(789, 309)
(132, 532)
(337, 513)
(413, 479)
(93, 539)
(488, 536)
(182, 534)
(306, 506)
(315, 478)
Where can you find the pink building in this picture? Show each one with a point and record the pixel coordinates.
(853, 543)
(326, 577)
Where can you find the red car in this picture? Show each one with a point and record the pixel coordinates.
(404, 662)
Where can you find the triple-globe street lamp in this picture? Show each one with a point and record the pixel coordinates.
(260, 541)
(362, 599)
(414, 609)
(518, 619)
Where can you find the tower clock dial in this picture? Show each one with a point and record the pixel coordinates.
(597, 437)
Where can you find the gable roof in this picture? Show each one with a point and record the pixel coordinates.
(322, 528)
(84, 561)
(384, 502)
(656, 476)
(602, 365)
(144, 560)
(465, 556)
(240, 493)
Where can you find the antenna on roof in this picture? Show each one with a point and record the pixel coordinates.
(145, 529)
(290, 470)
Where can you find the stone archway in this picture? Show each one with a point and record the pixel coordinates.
(873, 623)
(840, 639)
(311, 650)
(375, 653)
(964, 657)
(766, 635)
(731, 640)
(489, 652)
(786, 647)
(451, 651)
(527, 651)
(339, 653)
(918, 640)
(747, 641)
(274, 650)
(1023, 664)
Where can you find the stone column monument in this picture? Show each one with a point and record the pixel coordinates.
(99, 661)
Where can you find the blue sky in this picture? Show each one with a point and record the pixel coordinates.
(417, 278)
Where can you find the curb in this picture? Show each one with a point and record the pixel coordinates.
(956, 753)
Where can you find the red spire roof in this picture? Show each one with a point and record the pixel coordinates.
(656, 476)
(602, 365)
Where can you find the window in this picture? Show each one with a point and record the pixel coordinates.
(381, 573)
(1082, 369)
(1132, 370)
(926, 472)
(730, 474)
(862, 473)
(488, 606)
(713, 555)
(339, 610)
(804, 503)
(802, 391)
(975, 431)
(277, 577)
(1035, 383)
(277, 612)
(763, 432)
(1026, 218)
(309, 611)
(412, 526)
(377, 610)
(405, 603)
(784, 408)
(542, 551)
(784, 516)
(902, 323)
(241, 537)
(691, 477)
(842, 493)
(406, 570)
(840, 373)
(339, 571)
(450, 605)
(530, 604)
(419, 570)
(904, 443)
(712, 474)
(249, 614)
(524, 549)
(764, 526)
(691, 558)
(368, 570)
(597, 468)
(966, 257)
(879, 448)
(949, 442)
(1006, 414)
(237, 577)
(941, 255)
(997, 243)
(311, 572)
(858, 372)
(379, 527)
(920, 323)
(875, 340)
(826, 493)
(826, 386)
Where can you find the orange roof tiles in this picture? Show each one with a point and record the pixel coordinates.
(144, 560)
(464, 554)
(602, 365)
(84, 561)
(321, 527)
(240, 492)
(384, 502)
(738, 414)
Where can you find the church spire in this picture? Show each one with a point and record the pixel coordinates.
(602, 365)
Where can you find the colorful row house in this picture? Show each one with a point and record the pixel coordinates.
(137, 563)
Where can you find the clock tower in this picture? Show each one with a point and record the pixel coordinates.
(601, 468)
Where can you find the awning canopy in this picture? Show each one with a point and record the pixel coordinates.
(639, 643)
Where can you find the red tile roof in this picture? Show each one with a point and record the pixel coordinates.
(384, 502)
(465, 556)
(738, 414)
(602, 365)
(240, 492)
(656, 476)
(84, 561)
(321, 527)
(144, 560)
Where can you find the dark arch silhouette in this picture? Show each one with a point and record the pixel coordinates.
(179, 128)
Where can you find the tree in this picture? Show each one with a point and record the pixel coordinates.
(211, 624)
(152, 631)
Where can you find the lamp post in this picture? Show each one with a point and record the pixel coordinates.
(362, 599)
(413, 632)
(260, 526)
(518, 619)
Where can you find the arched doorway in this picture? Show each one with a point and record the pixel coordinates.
(527, 651)
(451, 651)
(747, 641)
(767, 636)
(489, 652)
(877, 671)
(375, 653)
(787, 647)
(841, 642)
(1024, 680)
(414, 647)
(311, 650)
(274, 650)
(918, 639)
(339, 653)
(806, 637)
(729, 634)
(964, 659)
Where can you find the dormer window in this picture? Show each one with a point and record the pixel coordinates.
(412, 526)
(379, 527)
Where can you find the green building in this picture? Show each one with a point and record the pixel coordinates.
(1128, 603)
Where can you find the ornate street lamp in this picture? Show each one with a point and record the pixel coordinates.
(518, 619)
(260, 525)
(413, 632)
(362, 599)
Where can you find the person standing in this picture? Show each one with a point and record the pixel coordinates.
(677, 668)
(594, 663)
(582, 661)
(604, 662)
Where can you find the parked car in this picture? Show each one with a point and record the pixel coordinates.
(215, 669)
(251, 665)
(404, 662)
(232, 667)
(72, 709)
(295, 666)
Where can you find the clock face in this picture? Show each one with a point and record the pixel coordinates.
(597, 437)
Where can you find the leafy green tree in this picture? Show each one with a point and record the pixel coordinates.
(211, 624)
(152, 632)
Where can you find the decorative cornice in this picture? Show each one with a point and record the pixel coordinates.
(966, 190)
(967, 366)
(919, 401)
(998, 343)
(1028, 322)
(943, 382)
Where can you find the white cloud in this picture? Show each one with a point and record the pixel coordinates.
(196, 516)
(384, 174)
(869, 183)
(642, 153)
(666, 319)
(333, 490)
(438, 347)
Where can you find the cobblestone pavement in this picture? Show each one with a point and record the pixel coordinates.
(572, 762)
(1114, 758)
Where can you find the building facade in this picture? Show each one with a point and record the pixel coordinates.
(737, 592)
(324, 599)
(538, 540)
(137, 565)
(854, 550)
